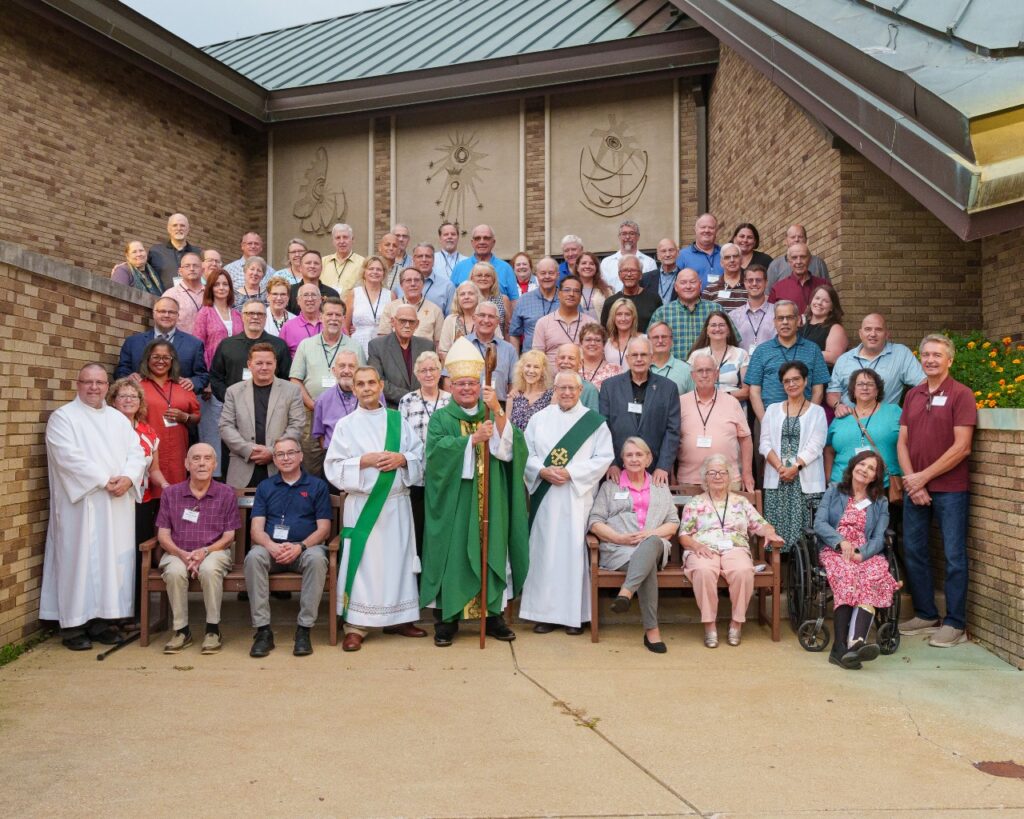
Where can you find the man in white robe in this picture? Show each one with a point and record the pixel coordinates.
(96, 467)
(570, 449)
(383, 591)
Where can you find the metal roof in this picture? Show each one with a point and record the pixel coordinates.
(990, 27)
(424, 34)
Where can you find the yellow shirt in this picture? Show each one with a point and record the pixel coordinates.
(342, 276)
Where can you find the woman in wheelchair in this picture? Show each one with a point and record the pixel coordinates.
(851, 521)
(715, 535)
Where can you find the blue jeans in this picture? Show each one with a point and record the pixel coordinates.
(950, 510)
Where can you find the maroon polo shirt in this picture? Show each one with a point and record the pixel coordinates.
(930, 429)
(790, 289)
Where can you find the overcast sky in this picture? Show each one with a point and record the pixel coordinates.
(202, 22)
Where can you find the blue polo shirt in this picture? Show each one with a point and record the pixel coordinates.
(707, 265)
(507, 282)
(298, 506)
(763, 370)
(895, 364)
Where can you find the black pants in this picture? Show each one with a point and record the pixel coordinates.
(416, 499)
(145, 528)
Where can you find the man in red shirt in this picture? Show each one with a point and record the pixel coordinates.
(798, 286)
(936, 428)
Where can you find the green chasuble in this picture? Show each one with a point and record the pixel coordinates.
(451, 535)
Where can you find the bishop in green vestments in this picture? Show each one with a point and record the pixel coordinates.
(456, 440)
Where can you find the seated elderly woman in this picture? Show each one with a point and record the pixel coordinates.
(633, 519)
(715, 535)
(851, 520)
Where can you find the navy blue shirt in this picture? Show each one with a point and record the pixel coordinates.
(298, 506)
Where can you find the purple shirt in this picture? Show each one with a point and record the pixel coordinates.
(297, 329)
(218, 513)
(330, 407)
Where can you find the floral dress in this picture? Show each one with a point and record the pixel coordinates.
(523, 410)
(787, 507)
(868, 583)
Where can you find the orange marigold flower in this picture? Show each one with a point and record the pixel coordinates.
(1016, 361)
(999, 369)
(977, 393)
(1002, 382)
(971, 345)
(991, 403)
(986, 345)
(992, 354)
(981, 404)
(1007, 340)
(1019, 378)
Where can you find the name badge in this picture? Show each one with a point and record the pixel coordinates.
(751, 348)
(712, 278)
(703, 441)
(327, 382)
(635, 408)
(191, 515)
(622, 495)
(938, 401)
(169, 423)
(724, 294)
(861, 449)
(280, 532)
(862, 504)
(246, 374)
(724, 544)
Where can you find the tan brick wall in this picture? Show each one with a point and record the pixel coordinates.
(535, 182)
(1002, 285)
(97, 151)
(381, 180)
(687, 164)
(48, 329)
(995, 598)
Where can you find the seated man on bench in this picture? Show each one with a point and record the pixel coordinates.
(196, 528)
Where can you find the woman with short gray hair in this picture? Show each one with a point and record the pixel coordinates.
(633, 519)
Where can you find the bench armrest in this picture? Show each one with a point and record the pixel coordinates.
(148, 545)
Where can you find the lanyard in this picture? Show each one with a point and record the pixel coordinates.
(725, 510)
(449, 265)
(587, 302)
(622, 353)
(786, 358)
(866, 424)
(330, 361)
(344, 405)
(429, 412)
(423, 300)
(316, 329)
(704, 419)
(565, 325)
(282, 323)
(869, 365)
(376, 306)
(593, 375)
(666, 292)
(751, 323)
(427, 284)
(170, 391)
(147, 275)
(548, 305)
(187, 293)
(799, 411)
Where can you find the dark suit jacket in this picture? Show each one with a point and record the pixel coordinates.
(385, 356)
(658, 424)
(652, 281)
(190, 356)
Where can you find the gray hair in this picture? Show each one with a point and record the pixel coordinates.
(576, 377)
(288, 437)
(702, 357)
(730, 246)
(709, 462)
(625, 258)
(426, 357)
(642, 339)
(787, 303)
(255, 260)
(423, 244)
(939, 338)
(571, 239)
(297, 241)
(342, 227)
(629, 223)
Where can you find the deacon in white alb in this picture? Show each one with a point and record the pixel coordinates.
(96, 467)
(570, 449)
(374, 457)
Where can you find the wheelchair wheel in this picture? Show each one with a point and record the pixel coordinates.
(796, 587)
(814, 637)
(889, 637)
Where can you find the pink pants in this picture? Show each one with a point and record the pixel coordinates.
(703, 573)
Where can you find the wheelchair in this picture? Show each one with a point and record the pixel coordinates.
(810, 595)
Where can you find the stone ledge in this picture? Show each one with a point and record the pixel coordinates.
(1002, 418)
(51, 268)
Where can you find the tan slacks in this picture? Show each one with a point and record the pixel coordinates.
(703, 573)
(211, 577)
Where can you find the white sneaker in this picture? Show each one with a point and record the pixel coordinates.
(947, 637)
(918, 625)
(212, 643)
(179, 642)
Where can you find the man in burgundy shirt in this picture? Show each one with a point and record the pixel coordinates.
(196, 528)
(798, 286)
(936, 428)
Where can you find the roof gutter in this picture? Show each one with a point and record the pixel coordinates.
(961, 193)
(655, 53)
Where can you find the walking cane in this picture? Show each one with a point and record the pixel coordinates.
(490, 362)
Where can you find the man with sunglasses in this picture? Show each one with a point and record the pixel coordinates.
(483, 242)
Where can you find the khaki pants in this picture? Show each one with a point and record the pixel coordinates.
(312, 452)
(703, 573)
(211, 577)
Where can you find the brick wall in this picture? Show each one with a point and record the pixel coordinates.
(1002, 285)
(381, 180)
(97, 151)
(995, 598)
(687, 165)
(53, 319)
(535, 189)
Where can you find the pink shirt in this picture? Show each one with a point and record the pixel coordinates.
(552, 331)
(298, 329)
(209, 328)
(190, 302)
(723, 420)
(641, 497)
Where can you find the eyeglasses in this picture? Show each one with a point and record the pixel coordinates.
(161, 358)
(406, 321)
(93, 383)
(254, 313)
(571, 291)
(785, 318)
(717, 473)
(566, 388)
(482, 238)
(794, 380)
(126, 396)
(291, 453)
(428, 370)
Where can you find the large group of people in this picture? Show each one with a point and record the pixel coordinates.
(445, 394)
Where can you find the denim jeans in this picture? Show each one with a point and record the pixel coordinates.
(949, 509)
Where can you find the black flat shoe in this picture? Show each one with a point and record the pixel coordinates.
(80, 642)
(574, 630)
(843, 662)
(544, 628)
(262, 644)
(620, 604)
(443, 636)
(499, 630)
(657, 648)
(109, 636)
(303, 646)
(868, 652)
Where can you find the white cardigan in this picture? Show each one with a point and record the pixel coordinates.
(813, 431)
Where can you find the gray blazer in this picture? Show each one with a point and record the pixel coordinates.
(286, 415)
(658, 425)
(619, 515)
(385, 356)
(830, 512)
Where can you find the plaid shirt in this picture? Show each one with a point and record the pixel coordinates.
(685, 324)
(528, 311)
(218, 513)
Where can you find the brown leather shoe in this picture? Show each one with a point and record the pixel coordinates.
(352, 642)
(406, 630)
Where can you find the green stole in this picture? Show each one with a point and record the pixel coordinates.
(564, 451)
(357, 535)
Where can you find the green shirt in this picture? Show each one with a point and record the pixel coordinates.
(313, 360)
(685, 324)
(676, 371)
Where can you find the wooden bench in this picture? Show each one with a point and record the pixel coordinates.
(234, 581)
(766, 582)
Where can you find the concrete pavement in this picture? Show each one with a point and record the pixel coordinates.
(549, 725)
